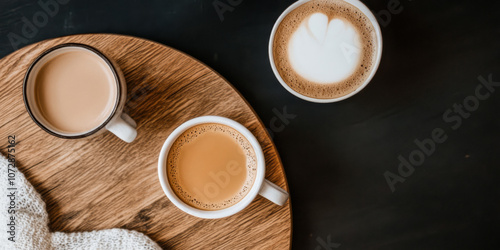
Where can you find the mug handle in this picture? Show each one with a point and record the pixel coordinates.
(123, 127)
(273, 193)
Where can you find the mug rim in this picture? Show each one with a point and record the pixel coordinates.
(96, 52)
(366, 11)
(211, 214)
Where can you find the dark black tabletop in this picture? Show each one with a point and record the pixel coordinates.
(411, 162)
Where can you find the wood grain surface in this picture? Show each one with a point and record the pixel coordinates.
(103, 182)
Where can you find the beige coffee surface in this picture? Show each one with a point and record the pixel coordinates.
(75, 91)
(211, 166)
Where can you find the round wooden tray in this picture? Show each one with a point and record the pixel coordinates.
(103, 182)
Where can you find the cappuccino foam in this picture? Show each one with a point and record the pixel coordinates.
(325, 48)
(211, 166)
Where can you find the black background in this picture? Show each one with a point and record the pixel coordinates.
(335, 155)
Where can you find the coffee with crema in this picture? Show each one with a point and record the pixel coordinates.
(211, 166)
(325, 49)
(75, 91)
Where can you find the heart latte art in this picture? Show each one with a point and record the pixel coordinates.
(324, 51)
(325, 48)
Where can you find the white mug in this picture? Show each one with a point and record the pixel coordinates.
(117, 122)
(260, 186)
(356, 3)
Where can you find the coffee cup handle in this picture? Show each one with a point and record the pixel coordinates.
(123, 127)
(273, 193)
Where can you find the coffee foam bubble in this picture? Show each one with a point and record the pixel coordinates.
(191, 134)
(319, 69)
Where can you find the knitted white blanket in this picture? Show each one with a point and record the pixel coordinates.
(24, 222)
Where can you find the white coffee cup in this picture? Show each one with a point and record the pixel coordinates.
(356, 3)
(119, 123)
(260, 186)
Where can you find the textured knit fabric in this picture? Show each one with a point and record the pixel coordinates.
(31, 222)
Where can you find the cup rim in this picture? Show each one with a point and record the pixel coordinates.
(211, 214)
(356, 3)
(96, 52)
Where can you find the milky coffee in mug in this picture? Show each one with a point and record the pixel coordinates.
(74, 91)
(325, 50)
(211, 166)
